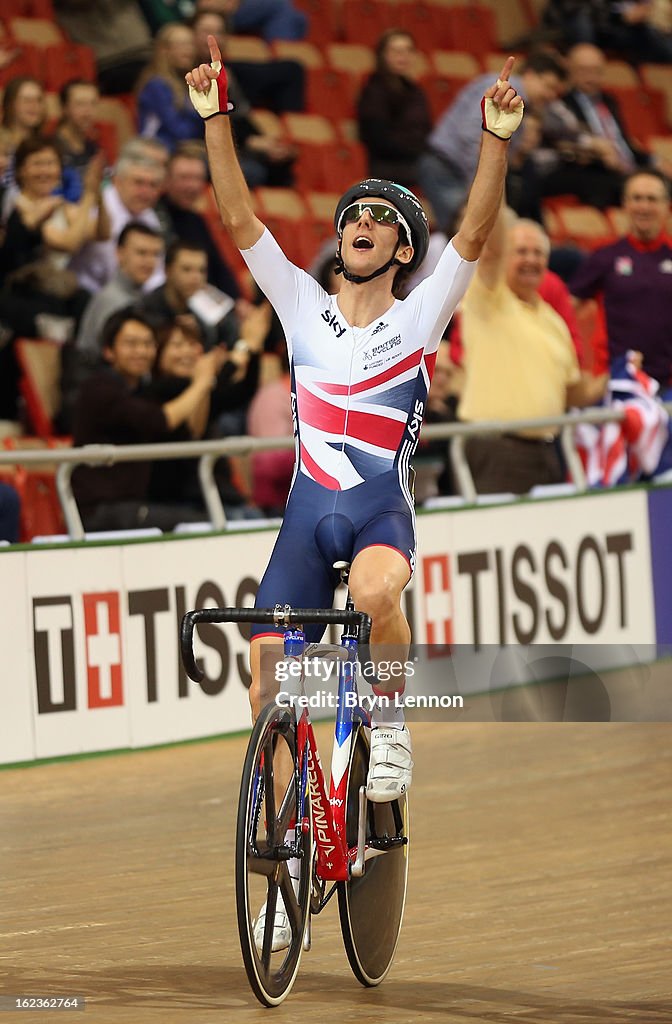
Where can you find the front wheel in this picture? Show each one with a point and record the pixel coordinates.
(371, 907)
(269, 798)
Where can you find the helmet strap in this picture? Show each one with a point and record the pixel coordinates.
(358, 278)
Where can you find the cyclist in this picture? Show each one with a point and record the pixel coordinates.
(361, 364)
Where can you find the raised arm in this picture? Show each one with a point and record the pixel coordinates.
(208, 92)
(502, 113)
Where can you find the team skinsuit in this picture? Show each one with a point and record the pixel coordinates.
(358, 399)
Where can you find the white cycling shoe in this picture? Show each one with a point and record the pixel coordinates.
(390, 764)
(282, 932)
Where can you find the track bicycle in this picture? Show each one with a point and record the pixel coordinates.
(341, 841)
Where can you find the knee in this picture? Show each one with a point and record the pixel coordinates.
(379, 597)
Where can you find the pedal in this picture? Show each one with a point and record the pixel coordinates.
(359, 865)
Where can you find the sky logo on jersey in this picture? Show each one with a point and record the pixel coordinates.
(330, 318)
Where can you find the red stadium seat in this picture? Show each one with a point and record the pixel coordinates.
(331, 90)
(471, 28)
(67, 61)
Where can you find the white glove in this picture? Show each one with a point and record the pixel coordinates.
(501, 123)
(215, 100)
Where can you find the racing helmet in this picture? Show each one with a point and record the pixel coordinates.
(408, 205)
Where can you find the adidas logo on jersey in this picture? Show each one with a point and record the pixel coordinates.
(381, 327)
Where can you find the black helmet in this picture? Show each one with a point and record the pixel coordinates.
(408, 205)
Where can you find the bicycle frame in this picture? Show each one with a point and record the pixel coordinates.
(329, 827)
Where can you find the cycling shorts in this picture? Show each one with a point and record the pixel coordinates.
(323, 526)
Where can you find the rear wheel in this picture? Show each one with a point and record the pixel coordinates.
(371, 908)
(269, 794)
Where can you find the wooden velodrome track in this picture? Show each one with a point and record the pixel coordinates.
(540, 885)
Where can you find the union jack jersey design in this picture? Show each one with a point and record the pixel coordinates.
(358, 393)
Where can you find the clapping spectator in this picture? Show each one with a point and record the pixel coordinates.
(114, 408)
(393, 113)
(133, 195)
(164, 110)
(75, 131)
(43, 232)
(178, 359)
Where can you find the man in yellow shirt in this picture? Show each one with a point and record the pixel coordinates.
(520, 361)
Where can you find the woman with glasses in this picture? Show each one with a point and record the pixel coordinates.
(361, 363)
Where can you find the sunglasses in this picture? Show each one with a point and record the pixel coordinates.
(380, 213)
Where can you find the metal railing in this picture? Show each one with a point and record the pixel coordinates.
(208, 452)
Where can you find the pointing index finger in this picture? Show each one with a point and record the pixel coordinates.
(215, 52)
(506, 70)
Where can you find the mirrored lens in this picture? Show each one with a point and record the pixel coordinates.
(381, 214)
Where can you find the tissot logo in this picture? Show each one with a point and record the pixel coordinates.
(55, 652)
(438, 600)
(64, 653)
(103, 650)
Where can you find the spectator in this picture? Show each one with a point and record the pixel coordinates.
(633, 278)
(270, 415)
(444, 392)
(265, 159)
(592, 152)
(276, 85)
(393, 113)
(139, 250)
(117, 33)
(43, 232)
(324, 266)
(519, 362)
(10, 510)
(164, 110)
(114, 409)
(144, 148)
(186, 274)
(624, 28)
(6, 160)
(75, 131)
(186, 181)
(24, 111)
(177, 481)
(133, 195)
(272, 19)
(448, 164)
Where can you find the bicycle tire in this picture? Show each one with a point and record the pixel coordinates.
(371, 908)
(258, 874)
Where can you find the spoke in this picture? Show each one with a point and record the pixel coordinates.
(288, 809)
(290, 898)
(260, 865)
(269, 789)
(269, 921)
